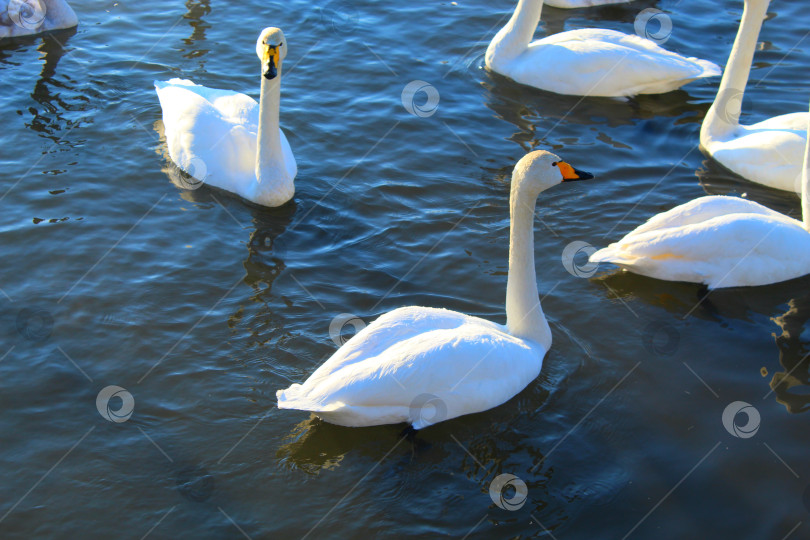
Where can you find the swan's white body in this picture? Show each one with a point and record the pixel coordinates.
(415, 358)
(228, 140)
(719, 241)
(461, 364)
(588, 62)
(769, 152)
(29, 17)
(570, 4)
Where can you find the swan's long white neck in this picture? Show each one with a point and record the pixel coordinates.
(806, 182)
(524, 316)
(724, 115)
(271, 171)
(513, 38)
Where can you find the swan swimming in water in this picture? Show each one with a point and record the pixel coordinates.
(571, 4)
(588, 62)
(226, 139)
(769, 152)
(417, 356)
(719, 241)
(29, 17)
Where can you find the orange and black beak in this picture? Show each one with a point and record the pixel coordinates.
(270, 60)
(571, 174)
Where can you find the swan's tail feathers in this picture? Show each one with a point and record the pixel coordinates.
(710, 69)
(612, 254)
(295, 398)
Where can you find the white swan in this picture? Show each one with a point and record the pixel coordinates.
(769, 152)
(588, 62)
(415, 358)
(719, 241)
(226, 139)
(571, 4)
(28, 17)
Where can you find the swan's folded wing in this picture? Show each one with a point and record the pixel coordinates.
(461, 371)
(731, 250)
(609, 63)
(794, 121)
(234, 107)
(202, 141)
(703, 209)
(773, 157)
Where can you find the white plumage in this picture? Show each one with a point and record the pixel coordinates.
(769, 152)
(571, 4)
(591, 62)
(719, 241)
(228, 140)
(29, 17)
(423, 365)
(460, 364)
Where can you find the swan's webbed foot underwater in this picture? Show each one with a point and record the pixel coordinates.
(412, 436)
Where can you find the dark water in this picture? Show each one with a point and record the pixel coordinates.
(201, 306)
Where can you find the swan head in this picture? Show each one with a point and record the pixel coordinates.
(541, 170)
(271, 48)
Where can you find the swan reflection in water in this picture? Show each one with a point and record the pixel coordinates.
(791, 385)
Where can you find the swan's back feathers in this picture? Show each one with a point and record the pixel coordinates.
(725, 250)
(703, 209)
(234, 107)
(602, 62)
(467, 363)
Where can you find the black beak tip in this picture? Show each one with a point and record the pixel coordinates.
(581, 175)
(271, 73)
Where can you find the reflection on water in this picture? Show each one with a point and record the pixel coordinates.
(792, 386)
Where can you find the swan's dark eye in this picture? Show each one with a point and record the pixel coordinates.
(554, 164)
